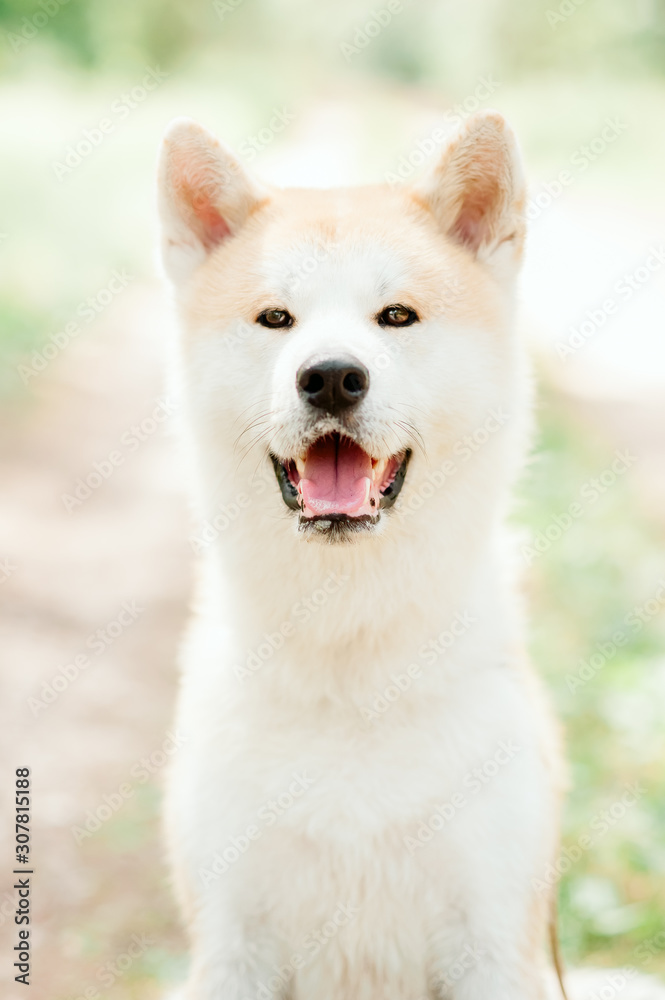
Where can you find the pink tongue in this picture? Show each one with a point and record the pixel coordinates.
(337, 477)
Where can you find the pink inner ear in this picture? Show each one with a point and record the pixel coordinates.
(477, 211)
(195, 189)
(214, 227)
(470, 229)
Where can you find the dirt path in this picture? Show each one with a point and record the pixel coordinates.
(72, 573)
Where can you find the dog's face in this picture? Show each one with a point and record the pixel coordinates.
(337, 335)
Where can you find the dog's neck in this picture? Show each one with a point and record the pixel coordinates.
(380, 598)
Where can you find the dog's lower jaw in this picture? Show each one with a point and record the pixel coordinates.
(337, 528)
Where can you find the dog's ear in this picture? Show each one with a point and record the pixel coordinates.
(205, 196)
(477, 191)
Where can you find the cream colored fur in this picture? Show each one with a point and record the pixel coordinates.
(366, 813)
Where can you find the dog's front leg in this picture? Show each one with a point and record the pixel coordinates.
(490, 946)
(483, 975)
(234, 968)
(489, 940)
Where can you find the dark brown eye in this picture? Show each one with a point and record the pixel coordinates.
(275, 318)
(397, 316)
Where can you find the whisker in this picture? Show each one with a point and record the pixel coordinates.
(411, 429)
(262, 435)
(263, 418)
(256, 402)
(412, 406)
(415, 433)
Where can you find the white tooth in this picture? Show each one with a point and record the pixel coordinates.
(379, 470)
(368, 486)
(300, 466)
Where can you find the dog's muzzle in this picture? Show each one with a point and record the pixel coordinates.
(338, 483)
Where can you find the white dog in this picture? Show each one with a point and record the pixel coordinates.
(367, 804)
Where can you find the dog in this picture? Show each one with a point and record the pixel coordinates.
(368, 799)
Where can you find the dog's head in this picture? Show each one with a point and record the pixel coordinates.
(347, 339)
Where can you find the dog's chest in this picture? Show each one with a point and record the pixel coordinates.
(341, 772)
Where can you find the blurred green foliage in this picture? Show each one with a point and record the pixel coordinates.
(433, 42)
(115, 958)
(603, 577)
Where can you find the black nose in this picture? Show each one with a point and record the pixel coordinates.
(333, 385)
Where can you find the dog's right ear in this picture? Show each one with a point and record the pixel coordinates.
(476, 191)
(205, 196)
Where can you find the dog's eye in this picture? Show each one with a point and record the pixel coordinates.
(275, 318)
(397, 316)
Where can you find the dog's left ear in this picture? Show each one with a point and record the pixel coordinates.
(205, 196)
(477, 191)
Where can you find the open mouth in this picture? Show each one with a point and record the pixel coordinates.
(338, 483)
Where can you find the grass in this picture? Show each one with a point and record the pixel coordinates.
(604, 662)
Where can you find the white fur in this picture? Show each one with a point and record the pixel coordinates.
(588, 984)
(466, 899)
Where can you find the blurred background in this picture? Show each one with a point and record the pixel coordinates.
(95, 562)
